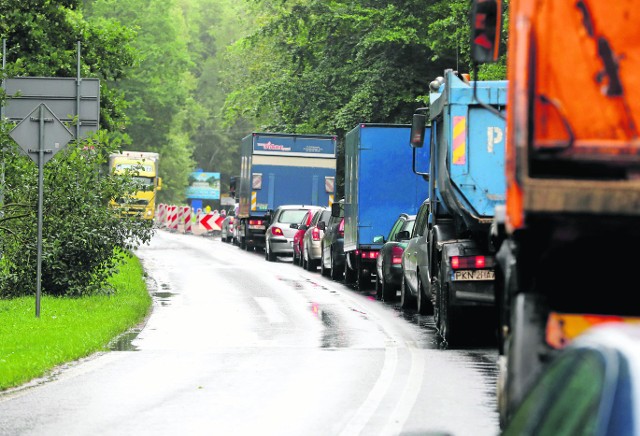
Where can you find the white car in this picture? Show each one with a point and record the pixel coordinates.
(279, 235)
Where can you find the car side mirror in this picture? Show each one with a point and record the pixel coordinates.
(303, 227)
(321, 226)
(293, 226)
(403, 235)
(379, 239)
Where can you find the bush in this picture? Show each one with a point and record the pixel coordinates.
(80, 230)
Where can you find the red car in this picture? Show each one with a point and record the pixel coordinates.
(302, 226)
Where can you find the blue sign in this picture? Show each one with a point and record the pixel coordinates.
(204, 186)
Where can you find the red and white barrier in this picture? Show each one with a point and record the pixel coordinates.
(186, 214)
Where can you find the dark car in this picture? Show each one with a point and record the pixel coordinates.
(332, 261)
(312, 238)
(591, 387)
(415, 289)
(300, 228)
(389, 260)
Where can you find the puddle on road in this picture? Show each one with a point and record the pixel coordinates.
(124, 342)
(332, 335)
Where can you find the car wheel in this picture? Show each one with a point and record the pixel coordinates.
(424, 306)
(406, 300)
(387, 291)
(295, 258)
(323, 270)
(271, 257)
(378, 289)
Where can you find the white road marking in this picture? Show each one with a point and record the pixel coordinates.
(366, 410)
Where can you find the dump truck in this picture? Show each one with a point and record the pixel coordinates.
(567, 233)
(278, 169)
(466, 183)
(143, 166)
(379, 185)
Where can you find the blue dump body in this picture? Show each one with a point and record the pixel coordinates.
(470, 150)
(379, 181)
(279, 168)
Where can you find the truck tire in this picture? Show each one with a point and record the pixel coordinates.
(349, 275)
(243, 243)
(424, 306)
(525, 347)
(335, 273)
(407, 301)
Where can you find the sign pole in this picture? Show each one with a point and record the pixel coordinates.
(40, 197)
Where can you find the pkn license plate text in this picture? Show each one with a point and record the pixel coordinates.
(479, 274)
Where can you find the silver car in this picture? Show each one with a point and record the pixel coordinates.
(311, 248)
(279, 235)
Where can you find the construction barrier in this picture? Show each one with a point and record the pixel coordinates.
(187, 215)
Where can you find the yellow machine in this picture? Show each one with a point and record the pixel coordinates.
(144, 166)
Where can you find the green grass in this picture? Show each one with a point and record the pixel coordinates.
(68, 328)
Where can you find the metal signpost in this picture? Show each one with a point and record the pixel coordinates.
(50, 136)
(33, 102)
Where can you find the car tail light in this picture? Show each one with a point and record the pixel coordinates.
(396, 255)
(472, 262)
(255, 222)
(315, 234)
(277, 231)
(341, 228)
(369, 254)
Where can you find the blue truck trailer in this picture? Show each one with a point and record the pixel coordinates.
(278, 169)
(455, 268)
(379, 186)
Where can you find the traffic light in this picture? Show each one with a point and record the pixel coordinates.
(486, 18)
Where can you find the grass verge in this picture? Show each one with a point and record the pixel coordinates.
(68, 328)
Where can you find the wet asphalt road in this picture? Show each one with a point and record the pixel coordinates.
(237, 345)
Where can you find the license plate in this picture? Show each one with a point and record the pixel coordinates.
(472, 275)
(257, 227)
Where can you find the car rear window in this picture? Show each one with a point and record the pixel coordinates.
(292, 216)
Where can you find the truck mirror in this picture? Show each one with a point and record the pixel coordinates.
(486, 20)
(159, 183)
(417, 130)
(379, 239)
(335, 210)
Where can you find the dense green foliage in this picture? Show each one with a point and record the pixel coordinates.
(189, 79)
(68, 328)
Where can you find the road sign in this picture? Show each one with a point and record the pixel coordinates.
(67, 97)
(28, 134)
(205, 222)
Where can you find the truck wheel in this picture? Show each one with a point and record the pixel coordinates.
(424, 305)
(350, 276)
(335, 273)
(525, 347)
(441, 312)
(406, 300)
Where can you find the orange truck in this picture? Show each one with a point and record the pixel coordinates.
(570, 230)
